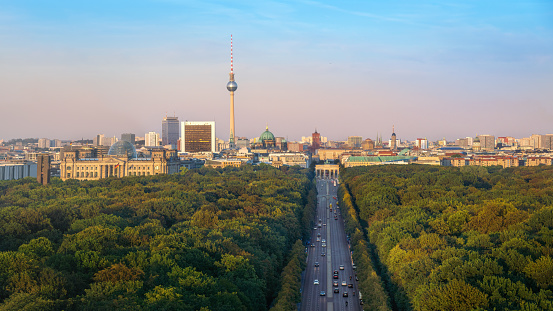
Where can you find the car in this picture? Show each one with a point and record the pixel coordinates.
(341, 267)
(324, 241)
(319, 234)
(314, 228)
(335, 272)
(356, 278)
(343, 283)
(319, 225)
(312, 245)
(318, 239)
(336, 290)
(316, 263)
(335, 218)
(335, 276)
(322, 293)
(316, 282)
(335, 283)
(324, 224)
(323, 245)
(350, 285)
(345, 294)
(323, 254)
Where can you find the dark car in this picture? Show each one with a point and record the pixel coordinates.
(335, 283)
(345, 294)
(336, 276)
(316, 263)
(335, 271)
(350, 285)
(336, 290)
(312, 245)
(323, 254)
(323, 293)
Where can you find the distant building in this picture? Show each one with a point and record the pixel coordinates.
(43, 169)
(121, 161)
(487, 142)
(130, 137)
(367, 144)
(355, 141)
(421, 143)
(266, 140)
(198, 136)
(151, 139)
(393, 140)
(43, 143)
(316, 141)
(17, 170)
(170, 131)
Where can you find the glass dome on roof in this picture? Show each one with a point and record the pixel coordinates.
(122, 148)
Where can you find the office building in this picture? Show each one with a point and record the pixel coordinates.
(151, 139)
(170, 131)
(487, 142)
(198, 136)
(355, 141)
(43, 143)
(130, 137)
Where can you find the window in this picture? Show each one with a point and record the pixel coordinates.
(68, 175)
(77, 174)
(68, 168)
(95, 174)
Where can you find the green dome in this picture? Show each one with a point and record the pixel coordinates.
(266, 135)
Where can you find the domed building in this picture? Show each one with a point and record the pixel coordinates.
(267, 139)
(123, 148)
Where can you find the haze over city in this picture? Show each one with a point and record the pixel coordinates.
(72, 69)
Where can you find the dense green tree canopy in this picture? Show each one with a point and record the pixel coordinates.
(473, 238)
(204, 239)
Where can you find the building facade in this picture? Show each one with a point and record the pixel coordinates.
(151, 139)
(75, 164)
(198, 136)
(170, 131)
(130, 137)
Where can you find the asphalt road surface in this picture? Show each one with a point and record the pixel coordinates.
(336, 253)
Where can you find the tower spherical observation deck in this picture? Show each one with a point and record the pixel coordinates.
(122, 148)
(232, 86)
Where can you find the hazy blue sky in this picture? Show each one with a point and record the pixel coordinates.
(72, 69)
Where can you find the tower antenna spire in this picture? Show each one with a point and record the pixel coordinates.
(231, 87)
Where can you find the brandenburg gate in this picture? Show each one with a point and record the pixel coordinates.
(327, 171)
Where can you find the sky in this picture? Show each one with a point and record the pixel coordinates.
(434, 69)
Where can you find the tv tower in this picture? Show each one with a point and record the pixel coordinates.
(231, 86)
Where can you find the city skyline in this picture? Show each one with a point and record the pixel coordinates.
(449, 70)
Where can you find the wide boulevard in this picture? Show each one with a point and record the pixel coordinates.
(329, 251)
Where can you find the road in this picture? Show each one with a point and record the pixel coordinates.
(336, 253)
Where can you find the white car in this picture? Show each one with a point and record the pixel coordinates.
(316, 282)
(343, 283)
(341, 267)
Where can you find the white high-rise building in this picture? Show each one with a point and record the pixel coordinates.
(43, 143)
(151, 139)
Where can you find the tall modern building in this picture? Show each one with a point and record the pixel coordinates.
(43, 143)
(231, 86)
(130, 137)
(43, 168)
(151, 139)
(170, 131)
(197, 136)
